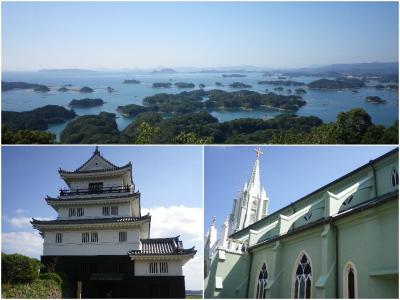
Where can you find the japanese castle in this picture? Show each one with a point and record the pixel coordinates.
(102, 242)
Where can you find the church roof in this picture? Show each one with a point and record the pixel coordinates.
(162, 246)
(90, 221)
(95, 164)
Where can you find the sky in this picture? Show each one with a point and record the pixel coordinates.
(287, 173)
(169, 179)
(37, 35)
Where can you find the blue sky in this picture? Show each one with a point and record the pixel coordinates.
(39, 35)
(287, 173)
(169, 179)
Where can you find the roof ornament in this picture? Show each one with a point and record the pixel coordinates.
(96, 151)
(213, 221)
(258, 152)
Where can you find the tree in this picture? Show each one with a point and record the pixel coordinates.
(17, 268)
(192, 138)
(146, 134)
(351, 126)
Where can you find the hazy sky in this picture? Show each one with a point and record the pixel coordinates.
(169, 179)
(287, 173)
(39, 35)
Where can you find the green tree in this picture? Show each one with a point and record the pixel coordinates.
(192, 138)
(146, 134)
(351, 126)
(17, 268)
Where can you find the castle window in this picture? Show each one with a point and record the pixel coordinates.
(85, 237)
(122, 236)
(163, 267)
(94, 237)
(72, 212)
(350, 281)
(80, 212)
(395, 177)
(95, 187)
(106, 211)
(262, 282)
(153, 268)
(302, 278)
(59, 238)
(114, 210)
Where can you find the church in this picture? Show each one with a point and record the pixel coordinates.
(101, 240)
(339, 241)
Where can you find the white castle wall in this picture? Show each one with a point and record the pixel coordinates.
(108, 243)
(174, 268)
(107, 182)
(124, 210)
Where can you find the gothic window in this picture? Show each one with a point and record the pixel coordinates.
(122, 236)
(72, 212)
(80, 212)
(302, 278)
(59, 238)
(395, 177)
(262, 282)
(252, 218)
(85, 237)
(94, 237)
(350, 281)
(254, 205)
(114, 210)
(95, 187)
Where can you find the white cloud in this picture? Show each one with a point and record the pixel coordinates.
(20, 211)
(21, 221)
(26, 243)
(188, 223)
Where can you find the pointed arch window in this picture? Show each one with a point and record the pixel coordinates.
(262, 282)
(302, 278)
(350, 290)
(395, 177)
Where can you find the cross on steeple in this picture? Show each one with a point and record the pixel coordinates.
(258, 152)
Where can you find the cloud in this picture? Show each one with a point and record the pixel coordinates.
(20, 211)
(188, 223)
(21, 221)
(26, 243)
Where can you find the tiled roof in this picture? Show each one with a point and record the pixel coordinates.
(90, 221)
(162, 246)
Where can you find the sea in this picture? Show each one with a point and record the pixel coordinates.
(325, 104)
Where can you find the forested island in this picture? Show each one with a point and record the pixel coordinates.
(240, 85)
(131, 81)
(158, 85)
(8, 86)
(131, 110)
(337, 84)
(86, 102)
(184, 85)
(86, 89)
(375, 99)
(282, 82)
(37, 119)
(233, 75)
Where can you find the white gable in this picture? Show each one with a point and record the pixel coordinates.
(96, 162)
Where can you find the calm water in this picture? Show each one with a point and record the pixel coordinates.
(324, 104)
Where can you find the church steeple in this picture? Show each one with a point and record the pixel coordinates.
(252, 203)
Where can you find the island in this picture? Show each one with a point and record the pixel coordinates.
(337, 84)
(300, 91)
(131, 110)
(219, 84)
(282, 82)
(278, 89)
(110, 89)
(131, 81)
(86, 102)
(233, 75)
(63, 89)
(202, 86)
(86, 89)
(37, 119)
(184, 85)
(240, 85)
(375, 99)
(158, 85)
(8, 86)
(380, 86)
(164, 71)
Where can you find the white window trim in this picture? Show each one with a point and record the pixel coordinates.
(258, 272)
(295, 265)
(346, 269)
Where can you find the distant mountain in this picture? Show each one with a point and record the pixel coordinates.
(164, 71)
(66, 71)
